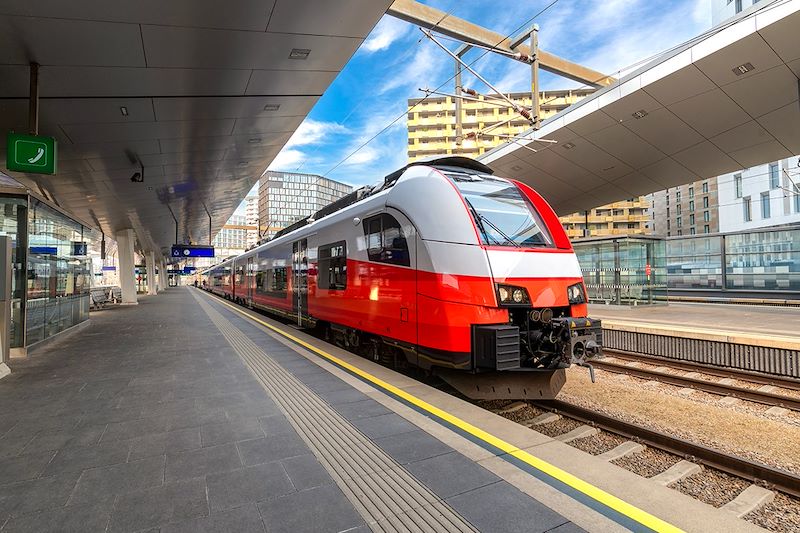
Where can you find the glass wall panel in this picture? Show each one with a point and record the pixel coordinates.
(58, 273)
(767, 260)
(623, 271)
(694, 263)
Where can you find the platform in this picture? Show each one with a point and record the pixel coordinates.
(184, 414)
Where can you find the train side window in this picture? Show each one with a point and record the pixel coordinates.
(332, 266)
(385, 240)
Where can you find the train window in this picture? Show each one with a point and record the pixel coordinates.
(332, 266)
(385, 240)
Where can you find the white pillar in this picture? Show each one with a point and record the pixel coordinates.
(162, 275)
(127, 266)
(150, 262)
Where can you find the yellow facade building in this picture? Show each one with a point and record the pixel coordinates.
(432, 131)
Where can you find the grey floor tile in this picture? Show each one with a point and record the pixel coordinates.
(343, 396)
(306, 472)
(247, 485)
(23, 467)
(331, 385)
(275, 425)
(96, 484)
(245, 519)
(500, 508)
(272, 448)
(451, 474)
(231, 431)
(73, 518)
(135, 428)
(55, 440)
(77, 459)
(201, 462)
(173, 502)
(321, 509)
(163, 443)
(384, 425)
(413, 446)
(362, 409)
(37, 494)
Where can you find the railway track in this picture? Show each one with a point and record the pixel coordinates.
(766, 397)
(753, 471)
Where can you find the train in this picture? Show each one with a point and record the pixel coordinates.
(442, 267)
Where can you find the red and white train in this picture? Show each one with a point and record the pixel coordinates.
(442, 266)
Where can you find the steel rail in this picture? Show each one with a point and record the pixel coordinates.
(767, 398)
(776, 478)
(722, 372)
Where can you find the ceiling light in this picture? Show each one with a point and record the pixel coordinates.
(254, 140)
(123, 110)
(568, 146)
(743, 69)
(242, 163)
(299, 53)
(639, 114)
(272, 107)
(516, 168)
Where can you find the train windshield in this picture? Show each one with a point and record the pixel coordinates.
(504, 217)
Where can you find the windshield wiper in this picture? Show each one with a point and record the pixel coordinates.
(480, 219)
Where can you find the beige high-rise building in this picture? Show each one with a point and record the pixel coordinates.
(432, 131)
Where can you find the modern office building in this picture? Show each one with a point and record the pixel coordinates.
(232, 238)
(764, 195)
(285, 197)
(690, 209)
(251, 219)
(432, 131)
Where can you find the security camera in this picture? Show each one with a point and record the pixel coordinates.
(137, 177)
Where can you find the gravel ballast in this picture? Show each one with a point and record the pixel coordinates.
(559, 427)
(647, 463)
(597, 444)
(712, 487)
(782, 514)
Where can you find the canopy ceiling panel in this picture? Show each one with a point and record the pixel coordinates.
(724, 101)
(202, 94)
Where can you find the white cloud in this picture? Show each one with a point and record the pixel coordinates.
(426, 67)
(388, 30)
(311, 133)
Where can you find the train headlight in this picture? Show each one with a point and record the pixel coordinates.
(576, 294)
(510, 295)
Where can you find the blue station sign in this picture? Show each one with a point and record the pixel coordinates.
(192, 250)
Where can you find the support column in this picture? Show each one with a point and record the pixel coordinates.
(127, 273)
(150, 261)
(162, 276)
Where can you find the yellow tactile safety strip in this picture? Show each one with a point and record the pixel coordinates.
(634, 513)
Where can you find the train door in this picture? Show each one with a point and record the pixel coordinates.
(300, 279)
(250, 274)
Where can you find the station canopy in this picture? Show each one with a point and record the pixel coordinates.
(724, 101)
(201, 93)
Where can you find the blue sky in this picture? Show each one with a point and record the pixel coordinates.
(396, 60)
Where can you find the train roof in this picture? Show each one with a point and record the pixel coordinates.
(443, 162)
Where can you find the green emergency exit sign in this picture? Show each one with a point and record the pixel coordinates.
(31, 153)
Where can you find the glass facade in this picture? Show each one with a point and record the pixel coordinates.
(286, 197)
(58, 272)
(749, 261)
(51, 272)
(624, 270)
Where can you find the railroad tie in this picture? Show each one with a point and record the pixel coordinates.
(750, 499)
(626, 448)
(678, 471)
